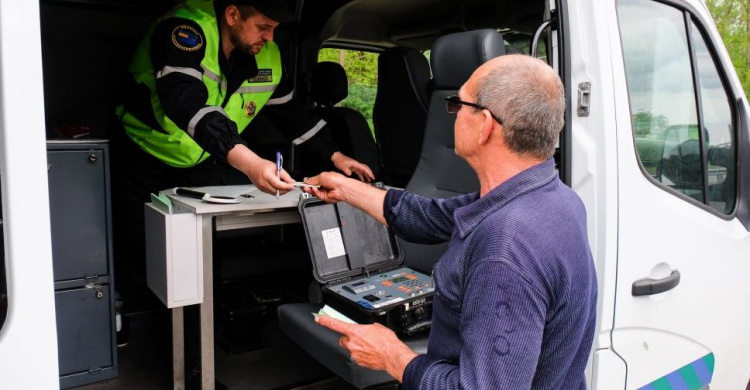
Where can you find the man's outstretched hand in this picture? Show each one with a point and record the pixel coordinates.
(333, 186)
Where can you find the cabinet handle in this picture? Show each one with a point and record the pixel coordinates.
(92, 157)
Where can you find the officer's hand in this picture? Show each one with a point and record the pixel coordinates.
(261, 172)
(349, 165)
(263, 175)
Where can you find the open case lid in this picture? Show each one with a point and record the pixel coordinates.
(345, 242)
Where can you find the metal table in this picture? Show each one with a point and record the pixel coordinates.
(256, 209)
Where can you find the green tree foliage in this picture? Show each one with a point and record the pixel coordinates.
(732, 18)
(646, 123)
(362, 71)
(649, 130)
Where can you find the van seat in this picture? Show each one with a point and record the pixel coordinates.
(349, 129)
(400, 111)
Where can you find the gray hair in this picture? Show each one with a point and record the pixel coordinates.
(529, 97)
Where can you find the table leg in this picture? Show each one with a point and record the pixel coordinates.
(178, 349)
(207, 307)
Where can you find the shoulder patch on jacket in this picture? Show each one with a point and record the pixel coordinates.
(187, 38)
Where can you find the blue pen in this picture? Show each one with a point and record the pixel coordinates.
(279, 162)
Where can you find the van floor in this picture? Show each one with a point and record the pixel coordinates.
(145, 362)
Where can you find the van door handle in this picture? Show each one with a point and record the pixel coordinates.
(648, 286)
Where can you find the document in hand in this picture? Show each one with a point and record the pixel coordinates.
(333, 313)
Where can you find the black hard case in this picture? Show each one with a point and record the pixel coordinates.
(371, 248)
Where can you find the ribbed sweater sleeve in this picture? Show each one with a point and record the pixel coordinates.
(422, 220)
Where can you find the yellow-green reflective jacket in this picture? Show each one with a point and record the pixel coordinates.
(173, 145)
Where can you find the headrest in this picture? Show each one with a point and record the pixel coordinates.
(328, 83)
(405, 63)
(413, 59)
(456, 56)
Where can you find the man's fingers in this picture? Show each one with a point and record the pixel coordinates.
(334, 324)
(315, 180)
(315, 191)
(318, 193)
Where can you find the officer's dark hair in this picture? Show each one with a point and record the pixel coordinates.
(246, 11)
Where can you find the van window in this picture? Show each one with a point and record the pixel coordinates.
(362, 72)
(717, 123)
(683, 134)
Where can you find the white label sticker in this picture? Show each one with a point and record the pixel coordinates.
(386, 303)
(333, 242)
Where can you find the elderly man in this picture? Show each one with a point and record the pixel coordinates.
(515, 300)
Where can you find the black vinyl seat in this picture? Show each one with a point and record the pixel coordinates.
(440, 173)
(348, 127)
(400, 111)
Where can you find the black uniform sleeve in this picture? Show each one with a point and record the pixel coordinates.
(177, 48)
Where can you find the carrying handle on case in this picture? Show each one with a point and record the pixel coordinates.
(418, 327)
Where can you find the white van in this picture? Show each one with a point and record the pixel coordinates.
(656, 143)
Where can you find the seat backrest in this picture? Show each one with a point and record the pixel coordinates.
(348, 127)
(400, 111)
(328, 83)
(440, 172)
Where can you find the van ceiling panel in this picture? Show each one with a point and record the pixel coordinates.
(120, 6)
(417, 23)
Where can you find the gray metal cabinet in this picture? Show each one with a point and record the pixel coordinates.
(81, 231)
(79, 335)
(79, 211)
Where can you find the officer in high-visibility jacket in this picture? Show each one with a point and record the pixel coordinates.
(199, 78)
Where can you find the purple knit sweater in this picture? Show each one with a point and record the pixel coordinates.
(515, 300)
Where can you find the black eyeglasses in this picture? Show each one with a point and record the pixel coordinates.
(453, 104)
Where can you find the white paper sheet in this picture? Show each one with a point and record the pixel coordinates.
(333, 242)
(333, 313)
